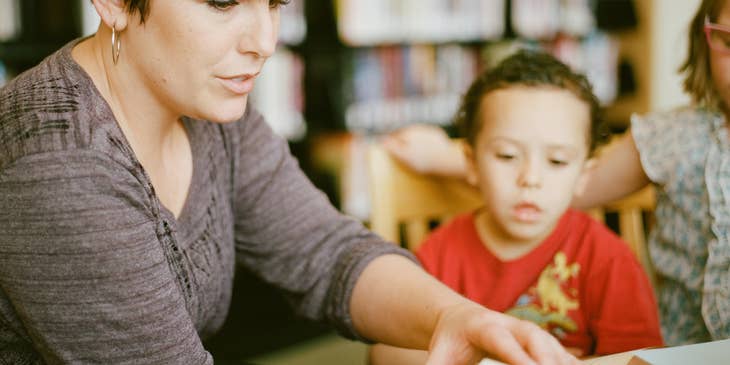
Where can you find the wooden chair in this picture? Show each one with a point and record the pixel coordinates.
(402, 198)
(635, 213)
(404, 203)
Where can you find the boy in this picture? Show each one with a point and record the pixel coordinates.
(531, 125)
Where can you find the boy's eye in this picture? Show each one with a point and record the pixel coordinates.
(222, 4)
(505, 156)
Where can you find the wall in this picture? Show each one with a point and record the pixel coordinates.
(669, 24)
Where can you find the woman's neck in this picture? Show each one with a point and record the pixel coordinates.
(156, 135)
(146, 124)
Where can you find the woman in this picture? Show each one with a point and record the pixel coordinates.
(132, 177)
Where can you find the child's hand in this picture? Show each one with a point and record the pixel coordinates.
(426, 149)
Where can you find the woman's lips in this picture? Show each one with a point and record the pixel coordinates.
(527, 212)
(239, 85)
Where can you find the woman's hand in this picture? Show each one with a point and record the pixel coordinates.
(463, 329)
(427, 149)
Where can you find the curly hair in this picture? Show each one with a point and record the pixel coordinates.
(534, 69)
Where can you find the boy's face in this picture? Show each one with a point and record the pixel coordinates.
(528, 160)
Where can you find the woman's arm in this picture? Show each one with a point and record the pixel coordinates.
(396, 302)
(616, 174)
(333, 270)
(388, 355)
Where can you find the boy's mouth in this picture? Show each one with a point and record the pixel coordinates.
(527, 212)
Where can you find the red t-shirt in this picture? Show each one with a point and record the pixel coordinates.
(582, 284)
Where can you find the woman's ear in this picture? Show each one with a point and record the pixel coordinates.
(471, 168)
(582, 183)
(112, 13)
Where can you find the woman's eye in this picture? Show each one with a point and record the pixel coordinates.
(274, 4)
(558, 162)
(222, 5)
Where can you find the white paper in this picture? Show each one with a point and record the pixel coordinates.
(707, 353)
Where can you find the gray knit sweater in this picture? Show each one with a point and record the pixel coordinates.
(93, 269)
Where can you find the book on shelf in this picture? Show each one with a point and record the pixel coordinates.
(545, 19)
(372, 22)
(390, 87)
(9, 19)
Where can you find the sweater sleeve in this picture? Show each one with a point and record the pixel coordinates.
(623, 311)
(288, 233)
(83, 278)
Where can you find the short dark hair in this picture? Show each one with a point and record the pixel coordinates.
(141, 6)
(528, 68)
(696, 67)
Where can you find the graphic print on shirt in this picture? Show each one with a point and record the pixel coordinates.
(547, 303)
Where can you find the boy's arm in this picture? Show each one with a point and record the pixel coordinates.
(388, 355)
(617, 173)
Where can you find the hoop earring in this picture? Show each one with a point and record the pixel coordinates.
(116, 44)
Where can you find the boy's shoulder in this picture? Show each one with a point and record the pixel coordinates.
(457, 229)
(595, 240)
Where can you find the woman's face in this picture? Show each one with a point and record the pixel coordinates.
(200, 58)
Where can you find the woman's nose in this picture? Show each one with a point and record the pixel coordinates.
(261, 36)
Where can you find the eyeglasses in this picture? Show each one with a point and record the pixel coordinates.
(718, 36)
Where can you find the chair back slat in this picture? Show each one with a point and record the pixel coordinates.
(399, 195)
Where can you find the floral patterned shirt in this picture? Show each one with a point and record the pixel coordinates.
(686, 153)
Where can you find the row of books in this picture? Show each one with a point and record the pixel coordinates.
(385, 21)
(373, 22)
(389, 87)
(393, 86)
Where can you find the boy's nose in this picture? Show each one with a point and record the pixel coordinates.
(531, 176)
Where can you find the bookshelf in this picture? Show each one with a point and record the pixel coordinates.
(390, 64)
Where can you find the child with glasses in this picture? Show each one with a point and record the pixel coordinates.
(685, 154)
(531, 125)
